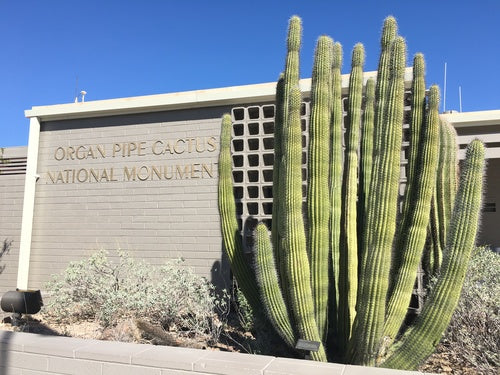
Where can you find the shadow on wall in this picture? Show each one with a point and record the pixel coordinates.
(4, 250)
(220, 274)
(4, 336)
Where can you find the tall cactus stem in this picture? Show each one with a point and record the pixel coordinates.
(444, 196)
(336, 162)
(271, 294)
(293, 232)
(278, 129)
(366, 155)
(349, 235)
(318, 211)
(389, 33)
(417, 116)
(229, 225)
(418, 110)
(413, 233)
(381, 219)
(422, 339)
(290, 81)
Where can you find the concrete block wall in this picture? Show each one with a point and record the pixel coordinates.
(153, 192)
(11, 203)
(488, 231)
(30, 354)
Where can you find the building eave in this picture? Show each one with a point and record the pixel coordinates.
(235, 95)
(161, 102)
(468, 119)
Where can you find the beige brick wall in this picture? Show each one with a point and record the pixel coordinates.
(11, 203)
(25, 353)
(143, 183)
(488, 232)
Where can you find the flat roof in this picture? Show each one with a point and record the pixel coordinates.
(477, 118)
(235, 95)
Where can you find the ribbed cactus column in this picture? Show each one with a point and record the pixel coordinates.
(296, 260)
(417, 117)
(229, 225)
(278, 129)
(336, 161)
(348, 278)
(389, 33)
(381, 220)
(366, 155)
(270, 291)
(318, 211)
(444, 195)
(422, 339)
(418, 110)
(288, 80)
(415, 220)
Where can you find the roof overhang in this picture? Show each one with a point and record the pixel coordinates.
(478, 118)
(235, 95)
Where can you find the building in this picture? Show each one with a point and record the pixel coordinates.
(140, 174)
(484, 125)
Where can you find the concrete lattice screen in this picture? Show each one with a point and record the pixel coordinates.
(253, 157)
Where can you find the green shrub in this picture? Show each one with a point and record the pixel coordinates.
(473, 336)
(108, 291)
(243, 310)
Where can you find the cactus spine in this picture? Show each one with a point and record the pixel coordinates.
(346, 281)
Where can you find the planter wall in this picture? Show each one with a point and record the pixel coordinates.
(23, 353)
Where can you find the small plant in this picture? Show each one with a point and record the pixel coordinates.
(473, 336)
(109, 291)
(243, 310)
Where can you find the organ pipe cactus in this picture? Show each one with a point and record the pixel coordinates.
(318, 167)
(335, 175)
(348, 256)
(227, 209)
(341, 274)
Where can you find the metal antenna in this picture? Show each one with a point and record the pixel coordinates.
(444, 93)
(460, 97)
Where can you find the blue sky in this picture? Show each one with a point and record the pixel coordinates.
(125, 48)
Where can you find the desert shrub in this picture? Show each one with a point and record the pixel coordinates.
(243, 310)
(473, 336)
(108, 291)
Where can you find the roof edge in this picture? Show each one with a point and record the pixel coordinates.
(476, 118)
(242, 95)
